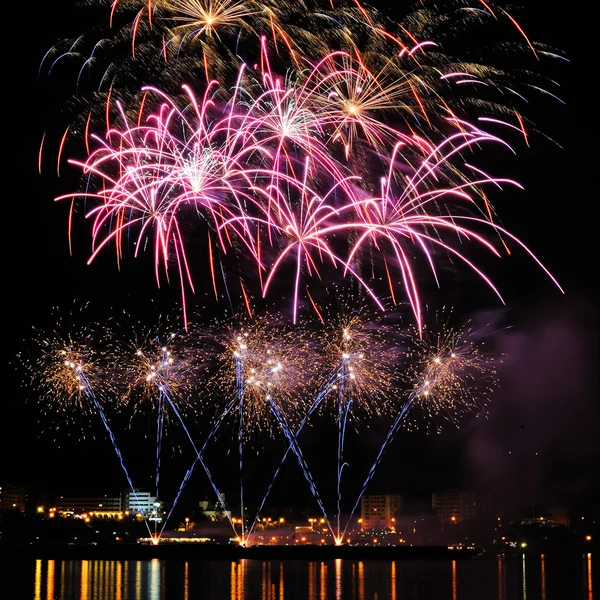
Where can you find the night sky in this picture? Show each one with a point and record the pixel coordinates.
(548, 400)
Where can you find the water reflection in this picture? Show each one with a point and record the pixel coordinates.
(361, 581)
(84, 579)
(272, 581)
(50, 581)
(37, 585)
(312, 578)
(454, 580)
(501, 577)
(543, 576)
(526, 577)
(186, 581)
(323, 595)
(238, 575)
(589, 577)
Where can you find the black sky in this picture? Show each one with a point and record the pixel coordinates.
(549, 400)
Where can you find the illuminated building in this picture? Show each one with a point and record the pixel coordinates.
(215, 510)
(140, 502)
(454, 506)
(12, 497)
(75, 505)
(380, 512)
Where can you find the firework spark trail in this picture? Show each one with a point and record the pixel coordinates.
(159, 436)
(450, 375)
(359, 378)
(89, 392)
(260, 366)
(159, 375)
(204, 466)
(344, 412)
(354, 372)
(261, 168)
(198, 459)
(240, 384)
(320, 397)
(384, 446)
(213, 36)
(301, 460)
(342, 417)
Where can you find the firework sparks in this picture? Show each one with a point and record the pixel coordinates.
(452, 373)
(65, 368)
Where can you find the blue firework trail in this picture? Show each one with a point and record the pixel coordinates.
(267, 376)
(79, 374)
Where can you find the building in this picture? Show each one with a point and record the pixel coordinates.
(454, 506)
(144, 503)
(100, 504)
(215, 510)
(12, 497)
(380, 512)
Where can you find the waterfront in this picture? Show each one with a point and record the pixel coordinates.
(514, 577)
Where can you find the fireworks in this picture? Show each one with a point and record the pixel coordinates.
(263, 366)
(344, 147)
(260, 172)
(152, 363)
(65, 367)
(451, 371)
(309, 144)
(362, 355)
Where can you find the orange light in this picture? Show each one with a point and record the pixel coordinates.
(588, 538)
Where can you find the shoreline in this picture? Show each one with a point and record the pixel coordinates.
(184, 551)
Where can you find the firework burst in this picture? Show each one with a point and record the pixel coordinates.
(263, 366)
(66, 369)
(452, 373)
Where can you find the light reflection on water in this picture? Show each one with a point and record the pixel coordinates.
(589, 577)
(524, 577)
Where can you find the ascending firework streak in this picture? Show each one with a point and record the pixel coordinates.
(267, 371)
(66, 369)
(78, 372)
(157, 371)
(293, 446)
(359, 379)
(164, 371)
(362, 381)
(450, 375)
(258, 374)
(344, 403)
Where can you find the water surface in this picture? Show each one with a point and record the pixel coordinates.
(519, 577)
